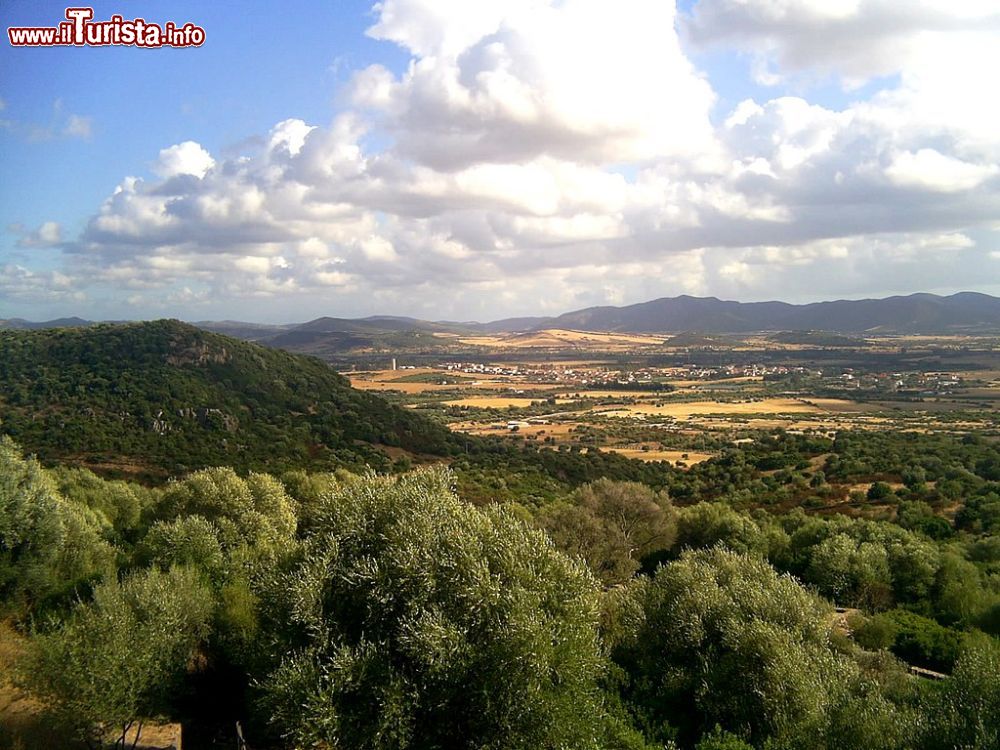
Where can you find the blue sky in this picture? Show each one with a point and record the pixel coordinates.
(457, 160)
(258, 67)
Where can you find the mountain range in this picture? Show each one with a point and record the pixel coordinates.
(915, 313)
(964, 312)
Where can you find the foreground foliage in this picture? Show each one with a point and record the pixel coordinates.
(120, 657)
(362, 611)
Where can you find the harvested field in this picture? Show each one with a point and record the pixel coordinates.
(560, 338)
(493, 402)
(716, 381)
(682, 410)
(560, 430)
(688, 457)
(388, 385)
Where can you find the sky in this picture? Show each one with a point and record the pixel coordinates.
(457, 160)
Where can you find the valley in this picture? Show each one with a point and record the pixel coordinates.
(663, 402)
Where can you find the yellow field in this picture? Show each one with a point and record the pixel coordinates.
(839, 406)
(690, 409)
(485, 385)
(654, 455)
(557, 337)
(560, 430)
(617, 394)
(719, 381)
(392, 380)
(491, 402)
(393, 374)
(388, 385)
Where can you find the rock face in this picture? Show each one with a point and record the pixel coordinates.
(199, 353)
(212, 419)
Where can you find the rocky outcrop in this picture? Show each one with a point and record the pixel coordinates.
(198, 354)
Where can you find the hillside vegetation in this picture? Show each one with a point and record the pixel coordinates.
(163, 397)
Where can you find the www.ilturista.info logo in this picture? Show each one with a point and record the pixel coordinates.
(79, 30)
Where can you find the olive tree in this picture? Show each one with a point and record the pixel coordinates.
(611, 526)
(47, 545)
(418, 621)
(117, 659)
(724, 640)
(255, 511)
(188, 540)
(707, 524)
(966, 712)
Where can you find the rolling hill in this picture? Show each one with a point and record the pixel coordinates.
(916, 313)
(22, 324)
(331, 338)
(167, 397)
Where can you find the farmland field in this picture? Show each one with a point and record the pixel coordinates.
(531, 389)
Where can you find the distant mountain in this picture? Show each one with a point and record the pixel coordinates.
(241, 330)
(21, 324)
(966, 312)
(515, 325)
(165, 397)
(328, 337)
(380, 324)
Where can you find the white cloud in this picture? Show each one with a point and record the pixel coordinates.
(291, 135)
(583, 80)
(49, 234)
(539, 156)
(61, 125)
(853, 39)
(187, 158)
(932, 170)
(21, 284)
(78, 126)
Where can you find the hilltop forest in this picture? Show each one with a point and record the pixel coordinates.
(198, 529)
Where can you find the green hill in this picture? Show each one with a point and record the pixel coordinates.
(165, 397)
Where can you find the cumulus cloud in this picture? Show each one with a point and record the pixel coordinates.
(49, 234)
(187, 158)
(500, 81)
(853, 39)
(933, 170)
(21, 284)
(62, 124)
(537, 156)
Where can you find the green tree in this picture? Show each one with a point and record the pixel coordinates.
(47, 546)
(118, 659)
(188, 540)
(725, 640)
(851, 573)
(414, 620)
(612, 526)
(255, 511)
(966, 713)
(707, 524)
(119, 502)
